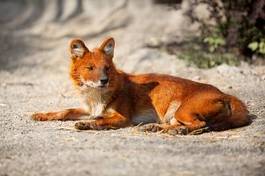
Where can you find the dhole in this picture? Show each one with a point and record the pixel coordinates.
(114, 99)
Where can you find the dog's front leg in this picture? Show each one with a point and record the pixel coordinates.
(109, 121)
(67, 114)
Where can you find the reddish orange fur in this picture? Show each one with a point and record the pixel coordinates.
(128, 96)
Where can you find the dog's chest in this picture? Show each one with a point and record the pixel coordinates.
(94, 102)
(95, 109)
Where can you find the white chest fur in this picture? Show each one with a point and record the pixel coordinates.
(94, 102)
(95, 109)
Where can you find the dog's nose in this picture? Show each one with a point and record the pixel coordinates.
(104, 81)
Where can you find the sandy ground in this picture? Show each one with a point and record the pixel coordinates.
(34, 77)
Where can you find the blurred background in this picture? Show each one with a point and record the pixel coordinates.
(204, 33)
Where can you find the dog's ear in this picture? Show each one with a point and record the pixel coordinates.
(107, 46)
(78, 48)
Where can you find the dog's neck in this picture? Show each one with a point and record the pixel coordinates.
(95, 101)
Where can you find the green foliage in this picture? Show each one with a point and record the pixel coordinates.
(214, 42)
(253, 46)
(241, 31)
(204, 59)
(257, 47)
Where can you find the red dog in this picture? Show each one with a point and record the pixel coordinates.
(114, 99)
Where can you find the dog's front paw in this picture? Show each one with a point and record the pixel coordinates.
(91, 125)
(39, 117)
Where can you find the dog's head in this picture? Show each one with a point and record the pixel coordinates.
(93, 68)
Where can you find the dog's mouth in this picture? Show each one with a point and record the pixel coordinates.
(93, 85)
(103, 86)
(87, 84)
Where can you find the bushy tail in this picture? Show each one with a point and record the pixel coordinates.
(239, 113)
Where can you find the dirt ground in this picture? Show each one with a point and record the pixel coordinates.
(34, 77)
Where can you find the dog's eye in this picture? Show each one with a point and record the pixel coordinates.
(90, 68)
